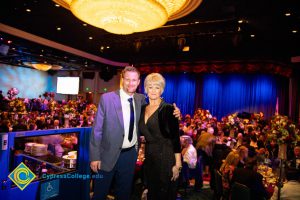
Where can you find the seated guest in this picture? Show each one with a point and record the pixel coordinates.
(239, 140)
(56, 124)
(32, 126)
(243, 154)
(5, 126)
(295, 161)
(290, 189)
(40, 123)
(253, 141)
(189, 155)
(220, 152)
(187, 120)
(20, 126)
(252, 179)
(204, 146)
(273, 148)
(226, 170)
(262, 156)
(189, 152)
(260, 144)
(49, 123)
(246, 143)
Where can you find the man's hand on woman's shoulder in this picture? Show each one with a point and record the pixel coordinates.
(176, 112)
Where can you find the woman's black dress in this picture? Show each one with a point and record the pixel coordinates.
(159, 159)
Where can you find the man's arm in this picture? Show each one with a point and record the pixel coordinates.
(96, 138)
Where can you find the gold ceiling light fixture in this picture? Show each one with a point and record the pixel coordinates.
(39, 66)
(129, 16)
(56, 67)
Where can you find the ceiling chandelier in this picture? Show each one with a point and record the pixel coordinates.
(42, 66)
(129, 16)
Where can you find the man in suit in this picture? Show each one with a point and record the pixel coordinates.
(295, 161)
(252, 179)
(114, 139)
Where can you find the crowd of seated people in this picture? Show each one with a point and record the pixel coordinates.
(17, 114)
(234, 142)
(240, 143)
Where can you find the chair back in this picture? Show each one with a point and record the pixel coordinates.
(240, 191)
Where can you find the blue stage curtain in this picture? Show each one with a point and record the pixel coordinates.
(224, 94)
(180, 89)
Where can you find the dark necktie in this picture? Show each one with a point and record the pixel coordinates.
(131, 123)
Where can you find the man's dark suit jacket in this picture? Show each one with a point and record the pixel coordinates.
(251, 179)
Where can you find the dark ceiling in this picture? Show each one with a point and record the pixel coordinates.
(212, 32)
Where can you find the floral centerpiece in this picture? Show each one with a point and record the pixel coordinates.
(91, 109)
(230, 121)
(12, 93)
(284, 132)
(17, 105)
(279, 129)
(257, 116)
(70, 107)
(52, 104)
(202, 115)
(69, 110)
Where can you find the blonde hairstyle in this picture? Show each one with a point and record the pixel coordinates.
(206, 142)
(232, 159)
(242, 150)
(155, 79)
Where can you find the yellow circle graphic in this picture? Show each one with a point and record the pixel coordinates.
(19, 179)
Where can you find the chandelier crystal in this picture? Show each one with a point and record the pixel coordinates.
(128, 16)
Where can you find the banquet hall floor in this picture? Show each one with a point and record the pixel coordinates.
(205, 193)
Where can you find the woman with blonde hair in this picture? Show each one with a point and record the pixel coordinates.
(160, 128)
(227, 169)
(204, 146)
(206, 142)
(243, 153)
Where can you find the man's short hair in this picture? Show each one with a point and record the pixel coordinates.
(251, 163)
(129, 69)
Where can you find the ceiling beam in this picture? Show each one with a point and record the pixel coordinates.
(43, 41)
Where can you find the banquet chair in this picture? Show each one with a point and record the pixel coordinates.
(239, 191)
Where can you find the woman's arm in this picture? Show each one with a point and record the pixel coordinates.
(170, 127)
(177, 167)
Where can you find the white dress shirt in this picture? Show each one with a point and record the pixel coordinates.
(190, 156)
(126, 119)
